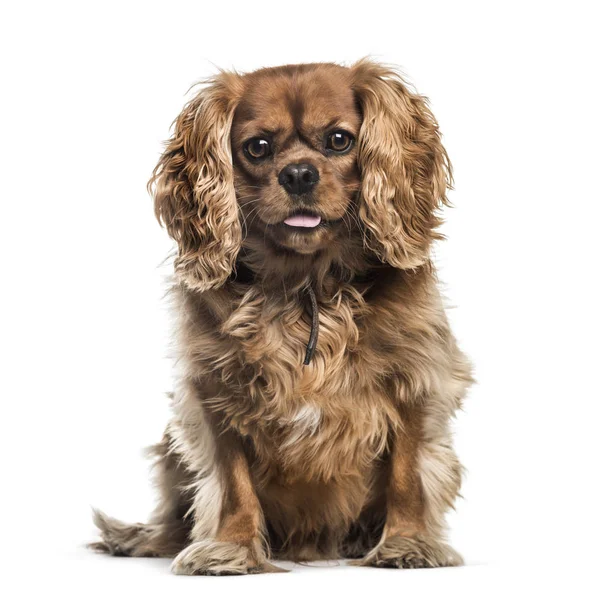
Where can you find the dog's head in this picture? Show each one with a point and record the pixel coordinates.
(301, 157)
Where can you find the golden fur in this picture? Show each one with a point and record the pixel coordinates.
(264, 457)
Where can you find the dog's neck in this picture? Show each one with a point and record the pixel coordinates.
(315, 280)
(289, 273)
(310, 277)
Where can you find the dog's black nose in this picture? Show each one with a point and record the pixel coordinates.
(299, 178)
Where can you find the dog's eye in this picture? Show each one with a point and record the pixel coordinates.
(257, 149)
(339, 141)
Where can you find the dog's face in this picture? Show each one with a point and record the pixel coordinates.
(294, 145)
(300, 157)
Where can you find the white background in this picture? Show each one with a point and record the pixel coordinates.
(88, 93)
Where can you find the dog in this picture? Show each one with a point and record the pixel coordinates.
(318, 373)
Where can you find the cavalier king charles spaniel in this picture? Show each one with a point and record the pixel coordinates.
(318, 373)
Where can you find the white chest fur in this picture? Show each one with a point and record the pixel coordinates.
(304, 423)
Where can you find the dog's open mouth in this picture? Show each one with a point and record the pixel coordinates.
(304, 220)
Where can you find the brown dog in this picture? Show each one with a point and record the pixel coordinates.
(303, 200)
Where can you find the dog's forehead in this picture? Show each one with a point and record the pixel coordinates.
(298, 98)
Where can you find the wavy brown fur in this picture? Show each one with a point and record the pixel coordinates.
(265, 457)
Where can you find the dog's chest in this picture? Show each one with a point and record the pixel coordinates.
(323, 438)
(272, 336)
(317, 421)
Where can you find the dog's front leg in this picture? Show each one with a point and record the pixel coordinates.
(412, 533)
(227, 534)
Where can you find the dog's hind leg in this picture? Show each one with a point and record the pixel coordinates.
(167, 531)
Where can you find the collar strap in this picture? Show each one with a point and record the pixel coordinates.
(313, 334)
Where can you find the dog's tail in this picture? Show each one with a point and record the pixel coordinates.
(139, 539)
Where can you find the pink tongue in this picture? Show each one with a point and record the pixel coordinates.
(302, 221)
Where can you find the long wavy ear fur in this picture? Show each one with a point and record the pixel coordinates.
(405, 168)
(193, 189)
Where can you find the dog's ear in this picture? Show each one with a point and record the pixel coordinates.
(193, 188)
(404, 167)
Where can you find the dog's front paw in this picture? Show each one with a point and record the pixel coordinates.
(210, 557)
(418, 552)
